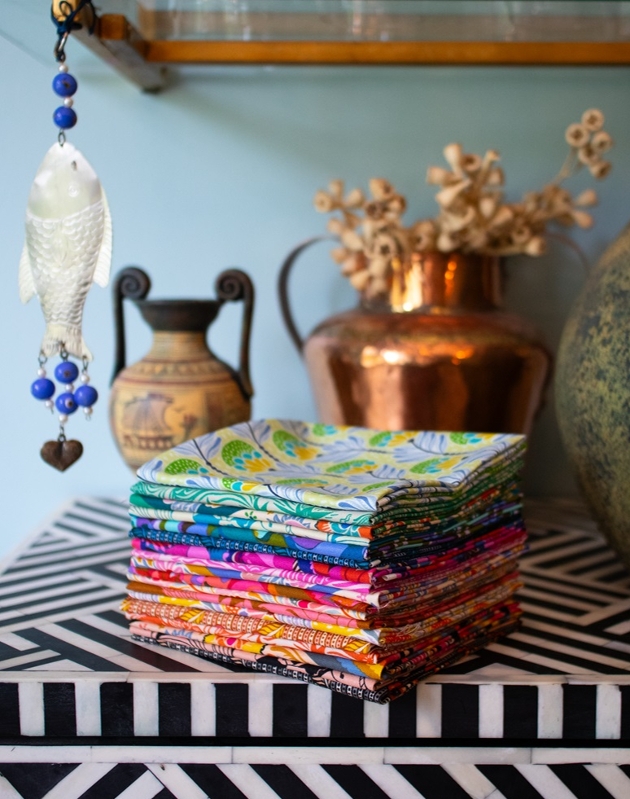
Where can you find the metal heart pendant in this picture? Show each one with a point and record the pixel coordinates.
(61, 454)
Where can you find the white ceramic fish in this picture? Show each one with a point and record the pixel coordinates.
(68, 246)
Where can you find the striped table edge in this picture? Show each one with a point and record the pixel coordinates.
(198, 707)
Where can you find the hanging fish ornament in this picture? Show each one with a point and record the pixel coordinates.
(68, 246)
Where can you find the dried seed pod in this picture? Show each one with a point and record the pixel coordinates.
(487, 206)
(437, 176)
(374, 210)
(354, 199)
(323, 202)
(520, 234)
(424, 226)
(577, 135)
(396, 206)
(536, 246)
(453, 156)
(477, 240)
(335, 226)
(351, 265)
(490, 157)
(586, 198)
(582, 219)
(381, 189)
(421, 242)
(454, 222)
(360, 280)
(335, 187)
(588, 155)
(339, 254)
(593, 119)
(600, 169)
(385, 245)
(601, 142)
(495, 177)
(446, 197)
(447, 243)
(502, 217)
(471, 163)
(352, 240)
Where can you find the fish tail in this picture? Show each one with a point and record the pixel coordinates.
(58, 337)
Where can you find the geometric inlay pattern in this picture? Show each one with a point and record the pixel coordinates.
(68, 667)
(313, 781)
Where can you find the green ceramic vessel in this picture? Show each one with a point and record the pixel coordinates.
(593, 392)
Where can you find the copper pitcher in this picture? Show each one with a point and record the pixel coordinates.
(437, 353)
(180, 389)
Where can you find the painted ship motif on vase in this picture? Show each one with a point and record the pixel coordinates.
(144, 423)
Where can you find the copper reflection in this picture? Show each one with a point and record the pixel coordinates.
(439, 355)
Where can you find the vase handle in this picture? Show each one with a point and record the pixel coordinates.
(283, 289)
(231, 286)
(132, 283)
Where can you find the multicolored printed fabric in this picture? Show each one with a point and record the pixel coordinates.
(465, 640)
(343, 468)
(351, 558)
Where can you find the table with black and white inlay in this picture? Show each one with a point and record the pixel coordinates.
(87, 712)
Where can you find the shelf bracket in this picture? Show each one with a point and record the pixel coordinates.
(117, 42)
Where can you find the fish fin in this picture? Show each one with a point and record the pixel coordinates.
(25, 277)
(69, 337)
(104, 263)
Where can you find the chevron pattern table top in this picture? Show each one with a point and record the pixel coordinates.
(69, 667)
(87, 713)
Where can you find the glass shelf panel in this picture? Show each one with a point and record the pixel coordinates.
(379, 20)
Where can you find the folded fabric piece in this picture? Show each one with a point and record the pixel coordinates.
(313, 647)
(341, 468)
(352, 558)
(277, 626)
(506, 620)
(374, 586)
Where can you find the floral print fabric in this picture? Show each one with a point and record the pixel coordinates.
(331, 467)
(352, 558)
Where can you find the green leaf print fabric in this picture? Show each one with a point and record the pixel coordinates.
(342, 468)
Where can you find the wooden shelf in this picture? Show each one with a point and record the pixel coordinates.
(388, 53)
(141, 51)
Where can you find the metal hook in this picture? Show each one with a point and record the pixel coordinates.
(60, 47)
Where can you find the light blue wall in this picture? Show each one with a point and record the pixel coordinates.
(220, 170)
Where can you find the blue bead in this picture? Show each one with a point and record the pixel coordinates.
(64, 118)
(65, 403)
(64, 84)
(86, 396)
(66, 372)
(42, 388)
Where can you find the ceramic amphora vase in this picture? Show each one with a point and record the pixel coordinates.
(592, 388)
(438, 353)
(180, 389)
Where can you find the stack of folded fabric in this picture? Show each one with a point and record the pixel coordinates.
(350, 558)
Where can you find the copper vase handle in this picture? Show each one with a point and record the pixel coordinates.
(132, 283)
(283, 289)
(231, 286)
